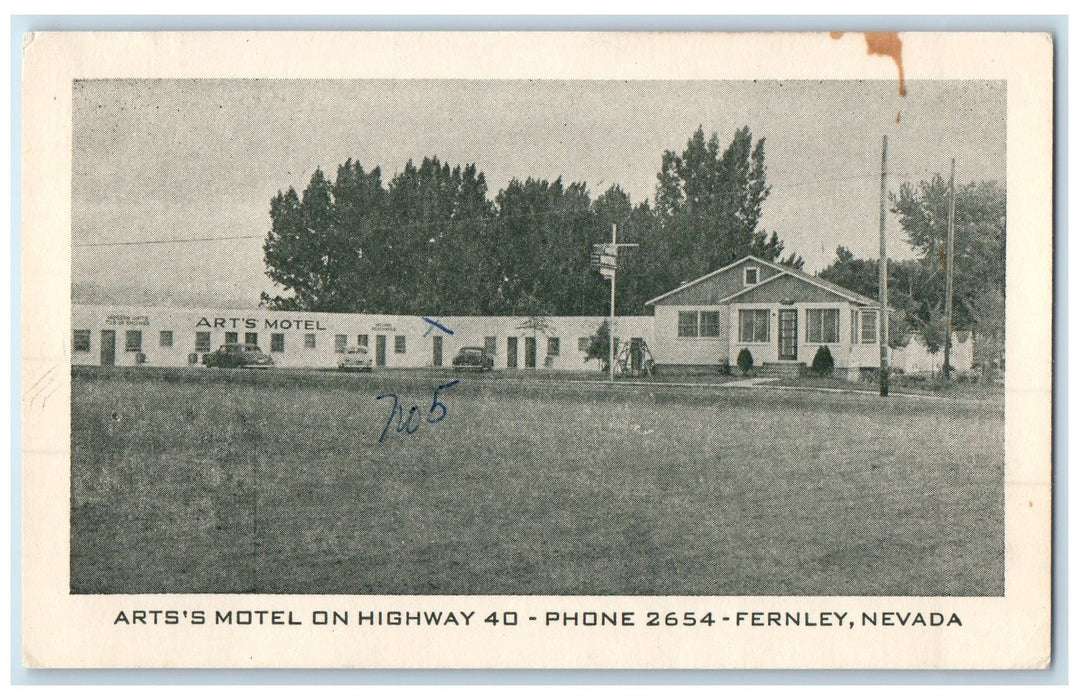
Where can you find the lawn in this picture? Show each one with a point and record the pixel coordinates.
(234, 481)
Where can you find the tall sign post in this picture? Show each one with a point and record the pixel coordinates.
(605, 259)
(883, 275)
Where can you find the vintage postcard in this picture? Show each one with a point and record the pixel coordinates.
(537, 350)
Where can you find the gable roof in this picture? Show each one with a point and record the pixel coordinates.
(809, 279)
(712, 274)
(784, 271)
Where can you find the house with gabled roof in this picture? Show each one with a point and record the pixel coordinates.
(782, 315)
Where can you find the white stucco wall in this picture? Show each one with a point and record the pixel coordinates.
(669, 349)
(467, 331)
(915, 358)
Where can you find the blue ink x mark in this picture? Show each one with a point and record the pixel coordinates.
(435, 324)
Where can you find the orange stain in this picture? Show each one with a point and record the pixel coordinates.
(836, 35)
(887, 44)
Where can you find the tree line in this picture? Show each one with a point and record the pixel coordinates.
(916, 288)
(432, 240)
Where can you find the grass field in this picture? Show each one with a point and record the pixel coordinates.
(234, 481)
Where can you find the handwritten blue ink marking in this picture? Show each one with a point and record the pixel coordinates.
(435, 324)
(404, 425)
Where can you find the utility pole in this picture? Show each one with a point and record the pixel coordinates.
(614, 276)
(949, 270)
(883, 335)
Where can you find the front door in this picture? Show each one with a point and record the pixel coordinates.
(788, 334)
(530, 352)
(380, 350)
(511, 352)
(436, 350)
(108, 348)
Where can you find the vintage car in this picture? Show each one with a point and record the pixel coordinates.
(238, 355)
(473, 358)
(355, 359)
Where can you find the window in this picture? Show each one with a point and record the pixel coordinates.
(232, 337)
(277, 342)
(251, 338)
(361, 340)
(80, 341)
(339, 343)
(687, 324)
(202, 341)
(309, 340)
(710, 324)
(583, 344)
(399, 344)
(553, 346)
(822, 325)
(490, 345)
(869, 326)
(165, 339)
(133, 341)
(752, 275)
(753, 325)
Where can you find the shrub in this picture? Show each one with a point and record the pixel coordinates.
(745, 361)
(823, 364)
(599, 347)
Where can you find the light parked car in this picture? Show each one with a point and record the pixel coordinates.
(238, 355)
(355, 359)
(473, 358)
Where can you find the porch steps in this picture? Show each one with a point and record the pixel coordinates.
(783, 370)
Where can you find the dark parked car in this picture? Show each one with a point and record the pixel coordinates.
(473, 358)
(238, 355)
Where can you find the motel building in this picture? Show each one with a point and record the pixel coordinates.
(781, 315)
(162, 337)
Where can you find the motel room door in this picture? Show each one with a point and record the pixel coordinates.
(380, 350)
(788, 334)
(108, 348)
(436, 350)
(530, 353)
(511, 352)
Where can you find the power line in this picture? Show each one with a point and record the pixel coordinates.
(160, 241)
(416, 225)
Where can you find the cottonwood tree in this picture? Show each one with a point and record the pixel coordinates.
(709, 201)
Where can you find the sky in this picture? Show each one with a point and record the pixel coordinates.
(160, 160)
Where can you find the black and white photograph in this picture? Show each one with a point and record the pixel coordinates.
(598, 340)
